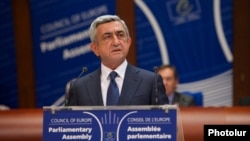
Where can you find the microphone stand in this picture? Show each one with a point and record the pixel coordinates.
(156, 86)
(69, 86)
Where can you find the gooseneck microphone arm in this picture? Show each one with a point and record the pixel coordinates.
(84, 69)
(69, 85)
(156, 86)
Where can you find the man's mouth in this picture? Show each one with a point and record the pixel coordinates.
(116, 50)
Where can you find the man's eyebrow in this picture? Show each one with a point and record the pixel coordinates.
(109, 33)
(106, 33)
(119, 31)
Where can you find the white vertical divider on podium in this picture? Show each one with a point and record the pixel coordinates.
(112, 123)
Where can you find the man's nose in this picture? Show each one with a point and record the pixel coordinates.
(115, 40)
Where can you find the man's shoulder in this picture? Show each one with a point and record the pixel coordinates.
(139, 70)
(184, 99)
(185, 96)
(92, 75)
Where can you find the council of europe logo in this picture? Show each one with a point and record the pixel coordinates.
(182, 11)
(109, 136)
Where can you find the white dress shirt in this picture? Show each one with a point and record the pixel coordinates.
(105, 80)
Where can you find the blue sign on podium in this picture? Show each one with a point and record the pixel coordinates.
(130, 123)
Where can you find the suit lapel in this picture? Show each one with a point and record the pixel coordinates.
(130, 85)
(94, 88)
(176, 98)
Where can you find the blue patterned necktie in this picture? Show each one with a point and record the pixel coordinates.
(113, 91)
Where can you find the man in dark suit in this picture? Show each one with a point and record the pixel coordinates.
(244, 101)
(171, 80)
(110, 41)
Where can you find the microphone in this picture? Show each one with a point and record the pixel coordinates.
(155, 69)
(69, 85)
(84, 69)
(156, 86)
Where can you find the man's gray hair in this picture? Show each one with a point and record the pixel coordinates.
(104, 19)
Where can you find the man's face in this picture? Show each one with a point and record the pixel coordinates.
(169, 81)
(112, 43)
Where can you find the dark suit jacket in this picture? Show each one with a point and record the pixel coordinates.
(138, 89)
(245, 101)
(183, 99)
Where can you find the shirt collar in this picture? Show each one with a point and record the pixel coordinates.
(171, 97)
(120, 70)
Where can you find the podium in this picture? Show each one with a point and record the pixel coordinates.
(112, 123)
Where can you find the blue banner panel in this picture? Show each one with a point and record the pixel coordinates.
(193, 35)
(61, 43)
(110, 124)
(8, 70)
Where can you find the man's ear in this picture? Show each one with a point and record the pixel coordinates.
(177, 82)
(93, 47)
(129, 41)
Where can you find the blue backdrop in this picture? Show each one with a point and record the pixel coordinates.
(193, 35)
(8, 69)
(61, 43)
